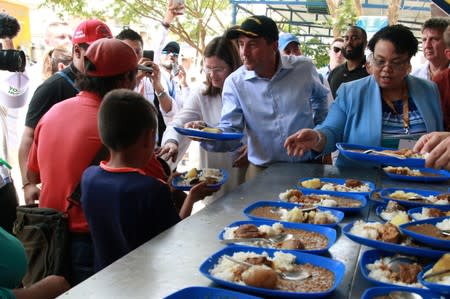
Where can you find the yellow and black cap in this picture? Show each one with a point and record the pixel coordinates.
(255, 26)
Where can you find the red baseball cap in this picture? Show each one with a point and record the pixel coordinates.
(89, 31)
(110, 57)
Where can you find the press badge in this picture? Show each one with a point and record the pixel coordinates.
(406, 143)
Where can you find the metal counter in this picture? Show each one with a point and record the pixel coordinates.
(170, 261)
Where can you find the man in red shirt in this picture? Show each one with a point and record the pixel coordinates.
(66, 141)
(442, 79)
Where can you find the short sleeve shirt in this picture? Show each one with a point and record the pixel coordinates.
(54, 90)
(341, 74)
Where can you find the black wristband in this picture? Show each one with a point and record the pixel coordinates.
(166, 25)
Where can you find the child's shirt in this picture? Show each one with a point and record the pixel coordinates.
(124, 209)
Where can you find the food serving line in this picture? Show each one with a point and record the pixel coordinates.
(171, 261)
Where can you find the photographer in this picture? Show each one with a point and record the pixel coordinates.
(13, 93)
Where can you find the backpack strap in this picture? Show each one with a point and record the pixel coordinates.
(70, 81)
(75, 197)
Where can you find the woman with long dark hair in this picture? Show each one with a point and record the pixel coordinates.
(204, 105)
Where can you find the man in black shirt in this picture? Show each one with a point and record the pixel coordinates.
(355, 42)
(55, 89)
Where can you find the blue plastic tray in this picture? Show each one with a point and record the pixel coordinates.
(369, 257)
(208, 135)
(431, 241)
(407, 203)
(339, 181)
(391, 247)
(374, 196)
(438, 177)
(210, 293)
(436, 287)
(176, 182)
(334, 266)
(380, 291)
(350, 195)
(286, 205)
(419, 210)
(346, 149)
(329, 233)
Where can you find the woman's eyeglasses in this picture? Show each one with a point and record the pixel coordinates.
(336, 49)
(214, 70)
(395, 65)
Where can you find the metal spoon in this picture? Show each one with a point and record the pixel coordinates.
(394, 264)
(272, 240)
(278, 209)
(294, 275)
(371, 151)
(404, 295)
(445, 232)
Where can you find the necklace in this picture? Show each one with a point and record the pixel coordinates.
(405, 105)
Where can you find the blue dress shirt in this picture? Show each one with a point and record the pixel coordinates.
(272, 109)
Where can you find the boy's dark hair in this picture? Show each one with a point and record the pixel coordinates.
(225, 50)
(123, 117)
(130, 34)
(400, 36)
(439, 23)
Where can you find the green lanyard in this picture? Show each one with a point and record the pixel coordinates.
(4, 163)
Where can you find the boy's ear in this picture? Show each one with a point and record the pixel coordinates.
(149, 138)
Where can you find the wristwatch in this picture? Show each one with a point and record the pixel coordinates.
(163, 92)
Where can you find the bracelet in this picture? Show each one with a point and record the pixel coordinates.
(172, 141)
(161, 94)
(166, 25)
(26, 184)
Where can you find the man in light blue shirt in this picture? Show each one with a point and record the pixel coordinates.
(270, 96)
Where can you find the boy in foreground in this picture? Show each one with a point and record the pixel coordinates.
(124, 207)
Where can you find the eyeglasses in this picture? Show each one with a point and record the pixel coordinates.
(214, 70)
(336, 49)
(169, 52)
(395, 65)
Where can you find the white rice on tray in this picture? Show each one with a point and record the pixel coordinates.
(274, 230)
(425, 214)
(225, 268)
(389, 215)
(402, 195)
(444, 224)
(343, 188)
(368, 230)
(379, 271)
(372, 230)
(297, 215)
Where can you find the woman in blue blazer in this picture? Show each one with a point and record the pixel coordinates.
(378, 110)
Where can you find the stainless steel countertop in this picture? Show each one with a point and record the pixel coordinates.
(170, 261)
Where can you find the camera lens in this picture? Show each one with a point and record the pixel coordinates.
(12, 60)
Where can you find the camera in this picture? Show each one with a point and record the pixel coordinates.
(12, 60)
(144, 68)
(150, 54)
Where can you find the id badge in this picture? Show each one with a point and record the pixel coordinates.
(406, 143)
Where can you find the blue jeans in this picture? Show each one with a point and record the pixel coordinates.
(81, 257)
